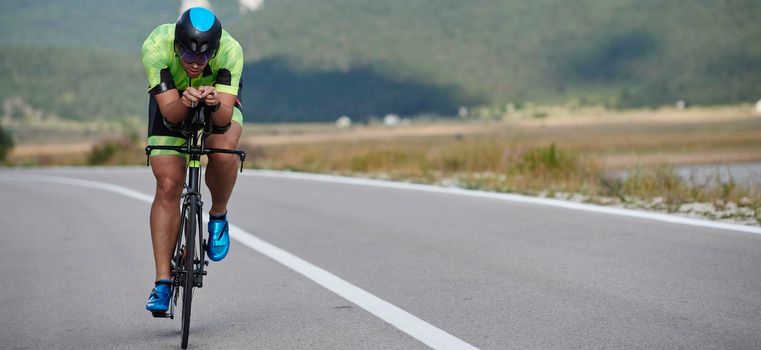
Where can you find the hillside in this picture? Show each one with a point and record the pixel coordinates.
(622, 52)
(75, 83)
(311, 60)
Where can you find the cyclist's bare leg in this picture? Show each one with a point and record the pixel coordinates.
(222, 170)
(169, 171)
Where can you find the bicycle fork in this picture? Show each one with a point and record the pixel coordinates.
(192, 198)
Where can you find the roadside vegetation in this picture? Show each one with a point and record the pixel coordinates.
(609, 157)
(6, 143)
(615, 158)
(493, 165)
(115, 151)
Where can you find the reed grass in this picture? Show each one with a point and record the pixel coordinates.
(493, 163)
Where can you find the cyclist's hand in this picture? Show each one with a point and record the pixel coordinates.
(191, 97)
(210, 96)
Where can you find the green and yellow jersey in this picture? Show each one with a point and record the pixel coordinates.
(223, 71)
(164, 71)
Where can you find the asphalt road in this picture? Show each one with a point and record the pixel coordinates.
(76, 269)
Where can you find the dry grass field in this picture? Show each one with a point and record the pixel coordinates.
(568, 154)
(617, 139)
(538, 150)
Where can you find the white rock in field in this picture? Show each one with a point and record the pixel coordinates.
(681, 104)
(249, 5)
(448, 182)
(343, 122)
(186, 4)
(745, 211)
(696, 207)
(462, 111)
(758, 107)
(243, 5)
(391, 120)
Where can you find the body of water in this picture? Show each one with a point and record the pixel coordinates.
(742, 173)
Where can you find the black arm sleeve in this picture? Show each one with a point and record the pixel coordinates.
(166, 84)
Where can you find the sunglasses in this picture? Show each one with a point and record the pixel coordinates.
(192, 57)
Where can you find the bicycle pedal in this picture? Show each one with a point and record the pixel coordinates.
(161, 314)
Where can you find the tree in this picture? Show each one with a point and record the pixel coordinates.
(6, 143)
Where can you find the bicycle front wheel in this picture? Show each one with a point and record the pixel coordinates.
(189, 268)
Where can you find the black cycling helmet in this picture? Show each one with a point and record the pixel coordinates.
(198, 30)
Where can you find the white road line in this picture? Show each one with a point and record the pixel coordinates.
(403, 320)
(508, 197)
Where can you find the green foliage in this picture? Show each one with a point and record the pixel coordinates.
(623, 53)
(549, 160)
(102, 153)
(113, 25)
(6, 143)
(662, 181)
(282, 92)
(74, 83)
(315, 60)
(120, 151)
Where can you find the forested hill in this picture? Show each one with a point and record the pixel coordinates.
(315, 60)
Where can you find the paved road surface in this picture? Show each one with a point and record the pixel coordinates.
(76, 269)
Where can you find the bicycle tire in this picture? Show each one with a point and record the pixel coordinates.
(187, 290)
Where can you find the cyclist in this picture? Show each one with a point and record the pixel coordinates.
(191, 62)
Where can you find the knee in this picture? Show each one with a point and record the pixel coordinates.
(222, 160)
(168, 187)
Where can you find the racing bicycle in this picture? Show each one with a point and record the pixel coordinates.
(189, 260)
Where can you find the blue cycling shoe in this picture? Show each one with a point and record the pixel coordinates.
(219, 238)
(158, 301)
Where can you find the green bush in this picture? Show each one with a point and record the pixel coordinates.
(548, 160)
(6, 143)
(121, 151)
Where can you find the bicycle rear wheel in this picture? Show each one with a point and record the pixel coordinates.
(189, 268)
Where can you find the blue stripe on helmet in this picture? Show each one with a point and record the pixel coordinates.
(201, 18)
